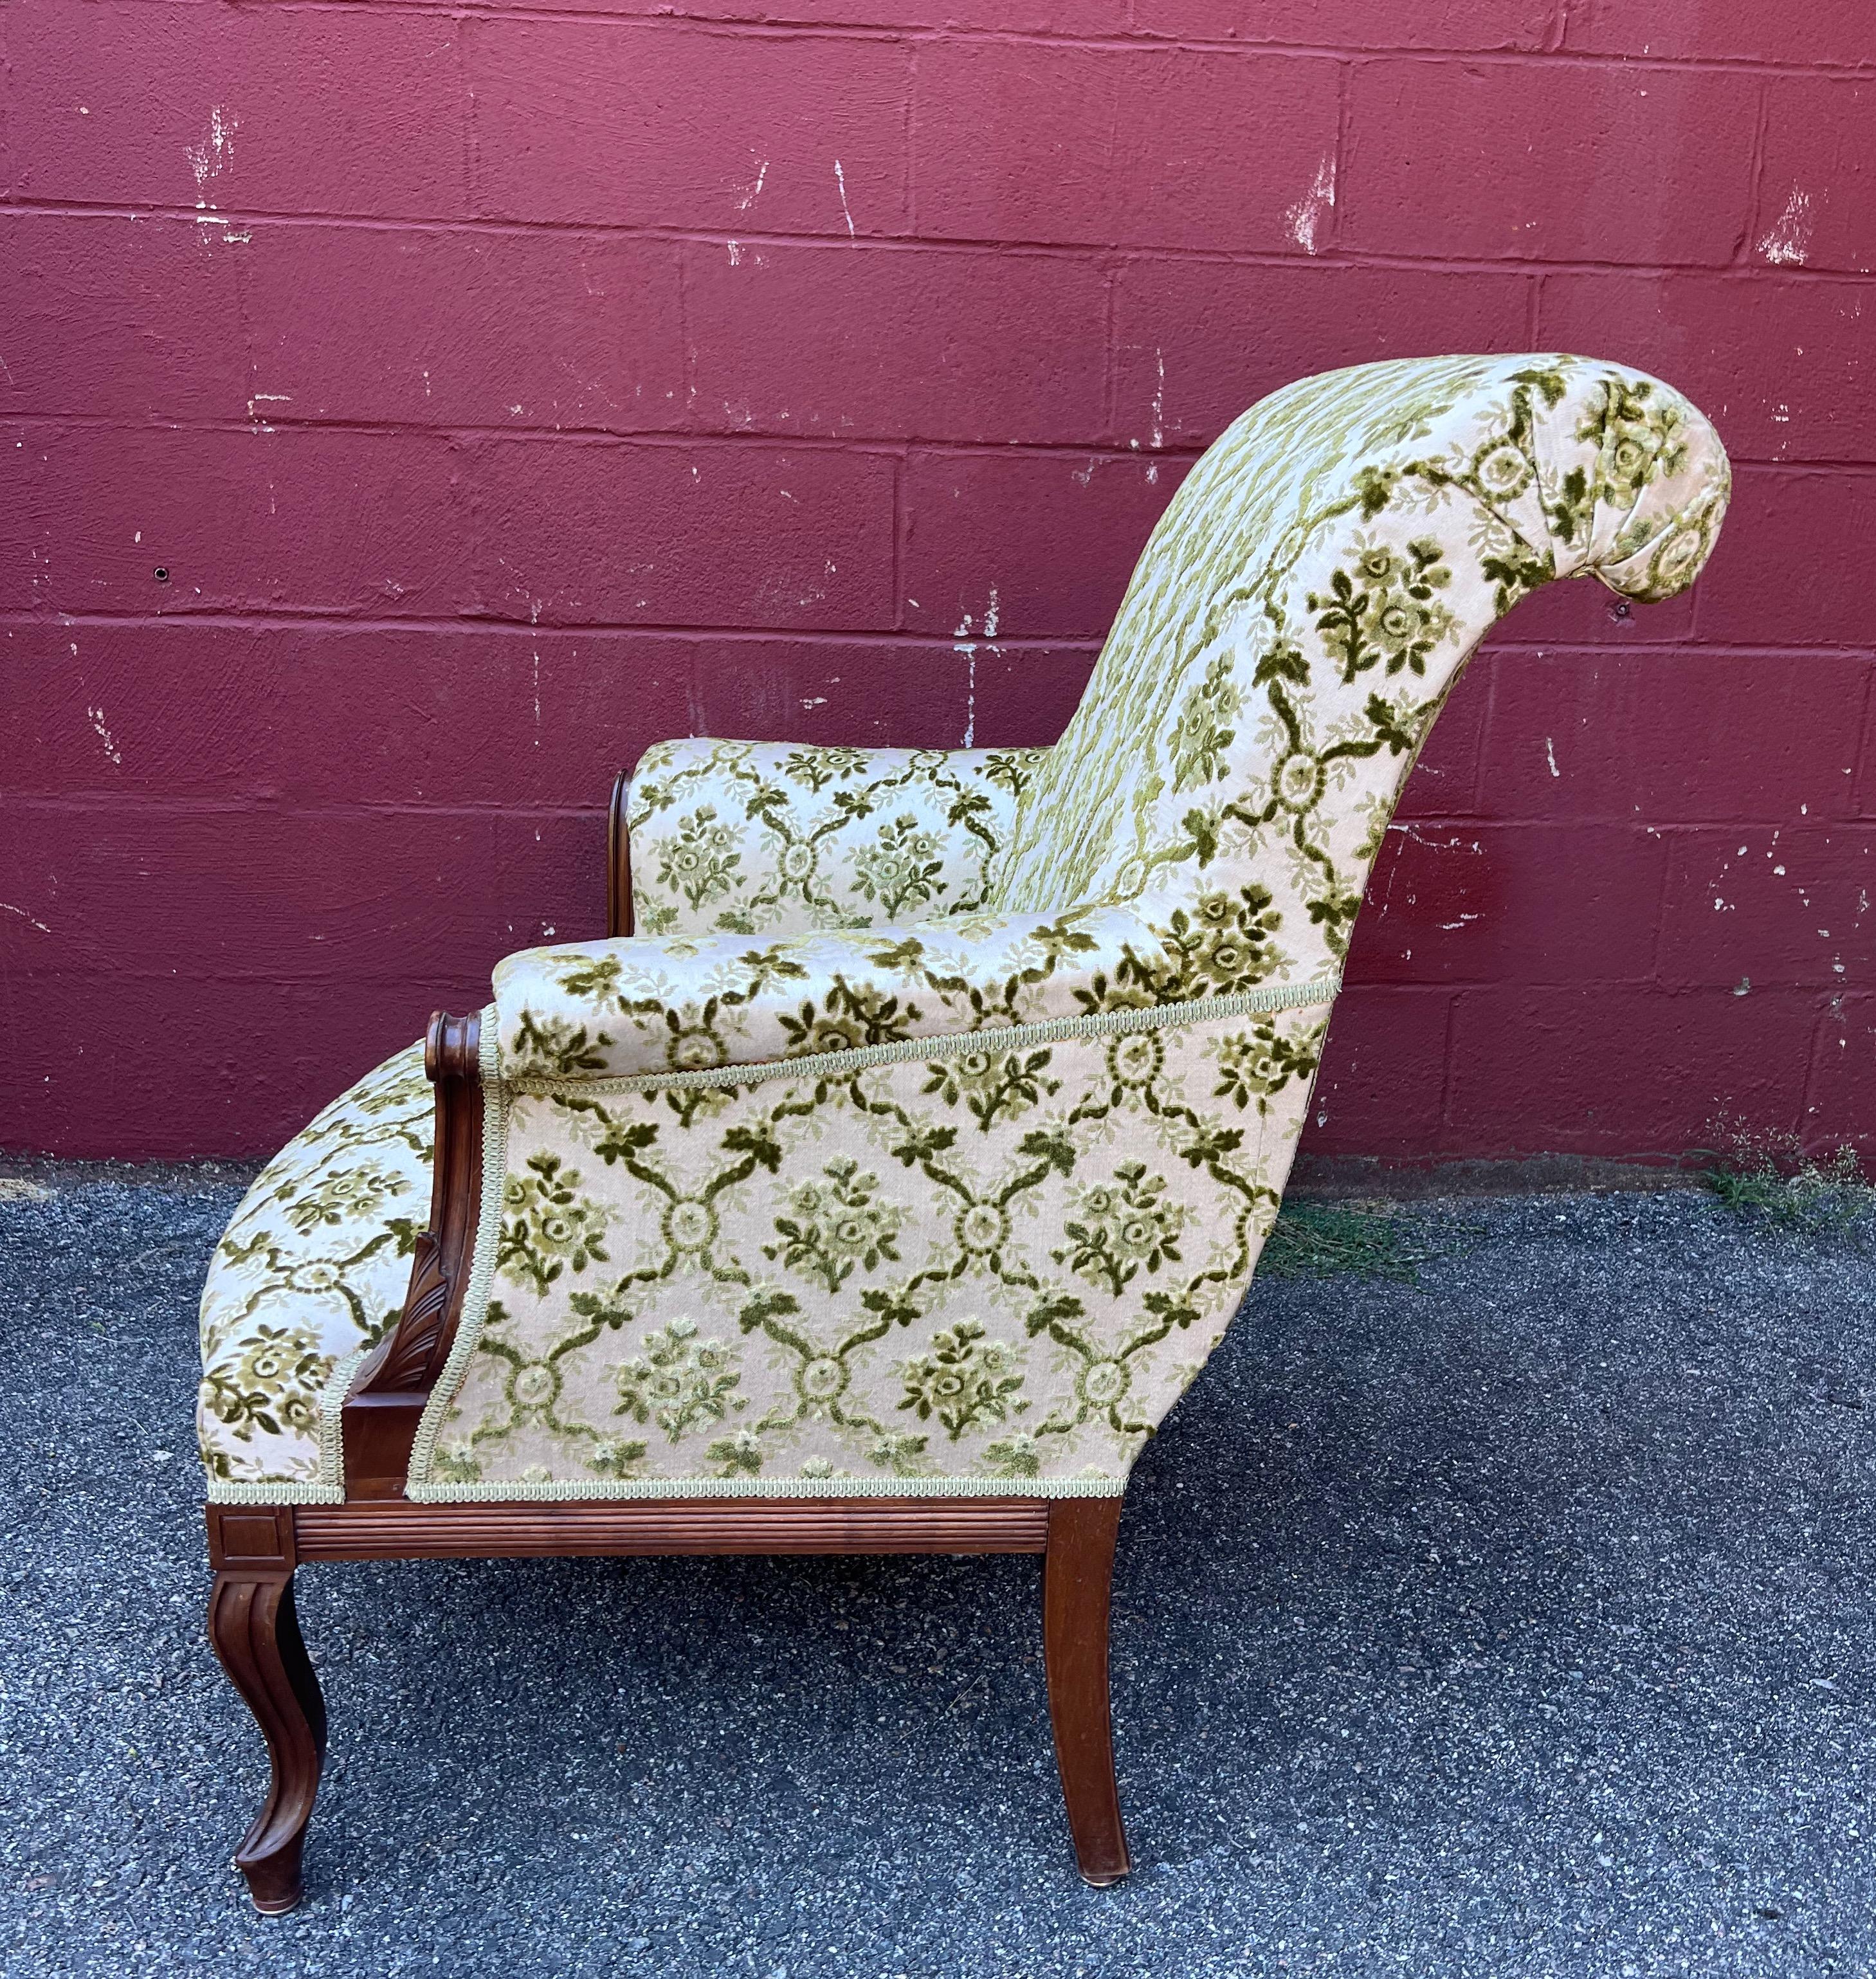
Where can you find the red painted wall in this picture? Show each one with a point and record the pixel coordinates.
(503, 388)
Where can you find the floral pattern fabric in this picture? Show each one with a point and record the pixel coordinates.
(750, 838)
(649, 1009)
(924, 1138)
(313, 1267)
(990, 1269)
(1308, 600)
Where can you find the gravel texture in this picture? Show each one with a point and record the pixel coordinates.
(1520, 1623)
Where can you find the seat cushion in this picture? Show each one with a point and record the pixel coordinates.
(312, 1271)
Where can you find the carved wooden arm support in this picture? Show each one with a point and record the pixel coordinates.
(387, 1395)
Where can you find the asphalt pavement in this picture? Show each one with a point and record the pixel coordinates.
(1516, 1622)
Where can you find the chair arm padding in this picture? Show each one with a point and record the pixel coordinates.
(642, 1007)
(777, 838)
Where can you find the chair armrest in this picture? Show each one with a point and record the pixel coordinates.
(649, 1009)
(776, 838)
(381, 1408)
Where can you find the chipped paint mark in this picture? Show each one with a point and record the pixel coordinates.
(104, 733)
(839, 179)
(736, 253)
(537, 697)
(755, 191)
(813, 701)
(4, 373)
(208, 160)
(1550, 756)
(1306, 217)
(9, 907)
(1786, 242)
(1159, 401)
(1433, 844)
(966, 651)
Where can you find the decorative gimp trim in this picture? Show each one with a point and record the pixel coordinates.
(949, 1044)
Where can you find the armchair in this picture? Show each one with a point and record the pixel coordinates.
(885, 1192)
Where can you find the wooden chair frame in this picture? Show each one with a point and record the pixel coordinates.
(255, 1549)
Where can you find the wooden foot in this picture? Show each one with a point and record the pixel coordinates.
(251, 1624)
(1077, 1571)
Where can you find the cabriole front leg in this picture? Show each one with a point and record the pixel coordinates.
(255, 1635)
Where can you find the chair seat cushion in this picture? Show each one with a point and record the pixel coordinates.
(311, 1271)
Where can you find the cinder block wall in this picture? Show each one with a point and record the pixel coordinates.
(411, 411)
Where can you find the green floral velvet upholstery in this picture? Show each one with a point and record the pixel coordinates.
(310, 1273)
(756, 836)
(925, 1139)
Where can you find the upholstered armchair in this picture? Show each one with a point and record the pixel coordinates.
(885, 1188)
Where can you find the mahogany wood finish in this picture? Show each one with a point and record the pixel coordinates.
(379, 1423)
(404, 1531)
(1077, 1574)
(618, 859)
(255, 1633)
(255, 1549)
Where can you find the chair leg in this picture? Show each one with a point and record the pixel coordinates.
(252, 1625)
(1077, 1571)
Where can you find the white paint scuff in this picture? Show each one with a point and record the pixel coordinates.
(1550, 756)
(1788, 240)
(966, 650)
(840, 180)
(755, 191)
(1306, 216)
(104, 736)
(209, 160)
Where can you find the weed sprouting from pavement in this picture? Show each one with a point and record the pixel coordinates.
(1772, 1181)
(1356, 1240)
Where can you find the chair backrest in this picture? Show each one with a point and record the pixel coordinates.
(1306, 603)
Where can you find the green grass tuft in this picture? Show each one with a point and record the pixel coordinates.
(1772, 1181)
(1341, 1240)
